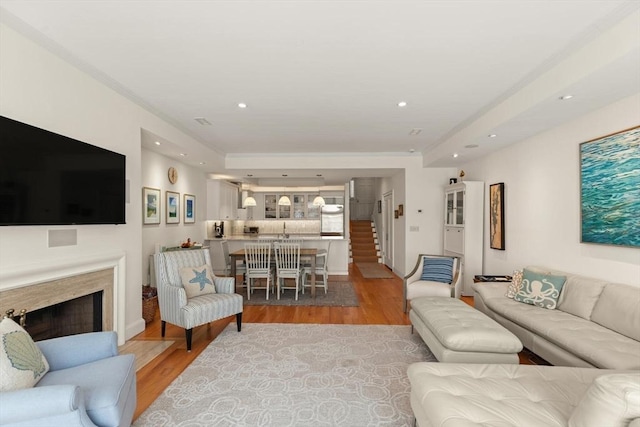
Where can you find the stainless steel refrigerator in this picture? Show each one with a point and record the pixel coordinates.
(332, 220)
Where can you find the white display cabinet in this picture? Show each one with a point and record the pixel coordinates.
(464, 228)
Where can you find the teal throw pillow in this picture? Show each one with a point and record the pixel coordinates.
(542, 290)
(437, 270)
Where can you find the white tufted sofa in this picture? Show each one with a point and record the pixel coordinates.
(596, 323)
(461, 395)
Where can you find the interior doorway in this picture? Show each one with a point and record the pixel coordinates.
(362, 202)
(387, 221)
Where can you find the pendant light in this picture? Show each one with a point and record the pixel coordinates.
(318, 201)
(249, 201)
(284, 200)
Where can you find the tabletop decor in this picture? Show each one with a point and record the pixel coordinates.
(150, 205)
(609, 189)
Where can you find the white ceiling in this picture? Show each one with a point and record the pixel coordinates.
(327, 76)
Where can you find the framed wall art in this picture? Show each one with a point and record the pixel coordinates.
(173, 207)
(189, 209)
(150, 205)
(496, 216)
(400, 210)
(610, 189)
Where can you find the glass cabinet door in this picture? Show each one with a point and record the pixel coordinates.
(313, 212)
(450, 209)
(270, 206)
(284, 212)
(459, 207)
(298, 204)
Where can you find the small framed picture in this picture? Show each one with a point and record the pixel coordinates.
(150, 205)
(172, 207)
(396, 214)
(379, 206)
(189, 208)
(400, 210)
(453, 181)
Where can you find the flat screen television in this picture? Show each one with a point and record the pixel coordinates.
(50, 179)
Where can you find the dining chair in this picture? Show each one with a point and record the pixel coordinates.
(240, 268)
(288, 267)
(322, 261)
(258, 265)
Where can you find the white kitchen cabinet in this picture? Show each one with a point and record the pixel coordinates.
(222, 200)
(464, 228)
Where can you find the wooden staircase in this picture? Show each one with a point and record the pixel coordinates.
(364, 243)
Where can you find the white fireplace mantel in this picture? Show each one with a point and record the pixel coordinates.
(45, 271)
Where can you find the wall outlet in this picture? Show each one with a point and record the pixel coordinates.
(414, 228)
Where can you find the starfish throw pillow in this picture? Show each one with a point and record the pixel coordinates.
(197, 280)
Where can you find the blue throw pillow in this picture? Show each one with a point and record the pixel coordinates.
(437, 270)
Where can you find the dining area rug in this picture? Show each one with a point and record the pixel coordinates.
(339, 294)
(295, 375)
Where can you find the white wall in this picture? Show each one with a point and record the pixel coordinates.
(190, 181)
(41, 89)
(425, 192)
(542, 200)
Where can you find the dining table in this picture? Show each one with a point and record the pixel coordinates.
(306, 255)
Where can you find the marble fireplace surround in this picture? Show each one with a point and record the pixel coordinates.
(35, 286)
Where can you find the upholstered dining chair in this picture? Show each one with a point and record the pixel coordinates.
(288, 267)
(258, 264)
(190, 295)
(433, 275)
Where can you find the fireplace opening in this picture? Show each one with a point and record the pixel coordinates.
(76, 316)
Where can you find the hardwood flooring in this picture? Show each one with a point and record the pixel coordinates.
(380, 304)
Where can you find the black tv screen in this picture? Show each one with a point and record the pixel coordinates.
(50, 179)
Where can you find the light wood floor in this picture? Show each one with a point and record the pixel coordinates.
(380, 304)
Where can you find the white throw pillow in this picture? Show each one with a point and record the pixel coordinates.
(515, 285)
(22, 364)
(197, 281)
(611, 400)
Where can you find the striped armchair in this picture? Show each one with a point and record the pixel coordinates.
(188, 313)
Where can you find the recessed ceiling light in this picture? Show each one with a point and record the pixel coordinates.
(242, 105)
(402, 104)
(157, 142)
(471, 146)
(565, 97)
(412, 150)
(202, 121)
(202, 163)
(455, 155)
(183, 154)
(415, 131)
(492, 135)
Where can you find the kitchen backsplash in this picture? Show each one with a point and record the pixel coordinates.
(236, 227)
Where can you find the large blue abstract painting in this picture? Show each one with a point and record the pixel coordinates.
(610, 189)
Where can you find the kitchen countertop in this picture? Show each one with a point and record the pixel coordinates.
(258, 237)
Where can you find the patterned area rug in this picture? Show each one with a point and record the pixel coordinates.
(339, 294)
(372, 270)
(295, 375)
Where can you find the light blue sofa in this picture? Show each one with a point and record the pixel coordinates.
(88, 384)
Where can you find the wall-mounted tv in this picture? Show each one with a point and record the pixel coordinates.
(50, 179)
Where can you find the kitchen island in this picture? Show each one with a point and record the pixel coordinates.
(338, 261)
